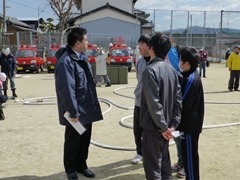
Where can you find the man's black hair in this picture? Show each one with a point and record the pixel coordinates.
(190, 55)
(160, 44)
(145, 38)
(76, 34)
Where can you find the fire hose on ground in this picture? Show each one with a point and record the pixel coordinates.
(41, 101)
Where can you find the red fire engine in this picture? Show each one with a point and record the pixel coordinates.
(120, 55)
(27, 58)
(51, 59)
(91, 52)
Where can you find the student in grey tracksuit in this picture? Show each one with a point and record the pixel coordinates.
(160, 110)
(140, 66)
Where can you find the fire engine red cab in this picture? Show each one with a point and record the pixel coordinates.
(51, 59)
(91, 52)
(27, 58)
(120, 55)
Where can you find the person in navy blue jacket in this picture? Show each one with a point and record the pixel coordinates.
(8, 66)
(192, 112)
(76, 94)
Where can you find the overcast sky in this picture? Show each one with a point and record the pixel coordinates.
(195, 8)
(29, 9)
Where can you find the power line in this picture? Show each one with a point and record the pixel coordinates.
(175, 10)
(27, 8)
(22, 4)
(32, 8)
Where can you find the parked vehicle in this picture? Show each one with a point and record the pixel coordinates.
(27, 58)
(51, 59)
(91, 52)
(120, 55)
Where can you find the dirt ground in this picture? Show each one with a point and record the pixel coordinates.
(31, 139)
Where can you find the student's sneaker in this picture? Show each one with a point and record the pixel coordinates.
(176, 167)
(136, 159)
(181, 173)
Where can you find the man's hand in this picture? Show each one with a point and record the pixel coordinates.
(168, 134)
(74, 120)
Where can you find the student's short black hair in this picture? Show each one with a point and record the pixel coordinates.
(190, 55)
(145, 38)
(76, 34)
(160, 44)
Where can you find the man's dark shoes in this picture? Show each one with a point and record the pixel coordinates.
(108, 85)
(72, 176)
(87, 173)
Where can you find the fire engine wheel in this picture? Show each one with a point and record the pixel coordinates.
(48, 70)
(129, 69)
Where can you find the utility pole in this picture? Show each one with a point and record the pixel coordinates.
(39, 10)
(220, 36)
(171, 26)
(38, 20)
(191, 30)
(187, 30)
(204, 28)
(154, 21)
(4, 29)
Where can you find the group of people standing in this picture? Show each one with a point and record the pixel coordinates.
(166, 100)
(8, 70)
(168, 97)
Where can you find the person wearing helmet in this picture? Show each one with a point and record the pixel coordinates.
(8, 66)
(130, 51)
(3, 98)
(2, 78)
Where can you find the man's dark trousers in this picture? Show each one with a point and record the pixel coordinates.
(190, 156)
(234, 75)
(76, 148)
(137, 130)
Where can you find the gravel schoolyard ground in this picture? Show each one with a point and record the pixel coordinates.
(31, 139)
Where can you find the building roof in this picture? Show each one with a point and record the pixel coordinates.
(107, 5)
(148, 25)
(14, 22)
(141, 14)
(23, 28)
(78, 3)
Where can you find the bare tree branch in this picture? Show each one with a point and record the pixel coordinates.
(78, 4)
(63, 10)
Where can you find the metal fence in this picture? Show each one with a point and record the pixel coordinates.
(44, 41)
(214, 30)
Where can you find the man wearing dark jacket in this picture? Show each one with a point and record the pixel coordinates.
(8, 66)
(202, 62)
(160, 110)
(76, 94)
(227, 54)
(192, 113)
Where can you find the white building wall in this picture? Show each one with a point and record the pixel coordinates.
(105, 30)
(126, 5)
(106, 13)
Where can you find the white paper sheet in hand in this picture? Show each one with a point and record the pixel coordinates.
(77, 125)
(176, 134)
